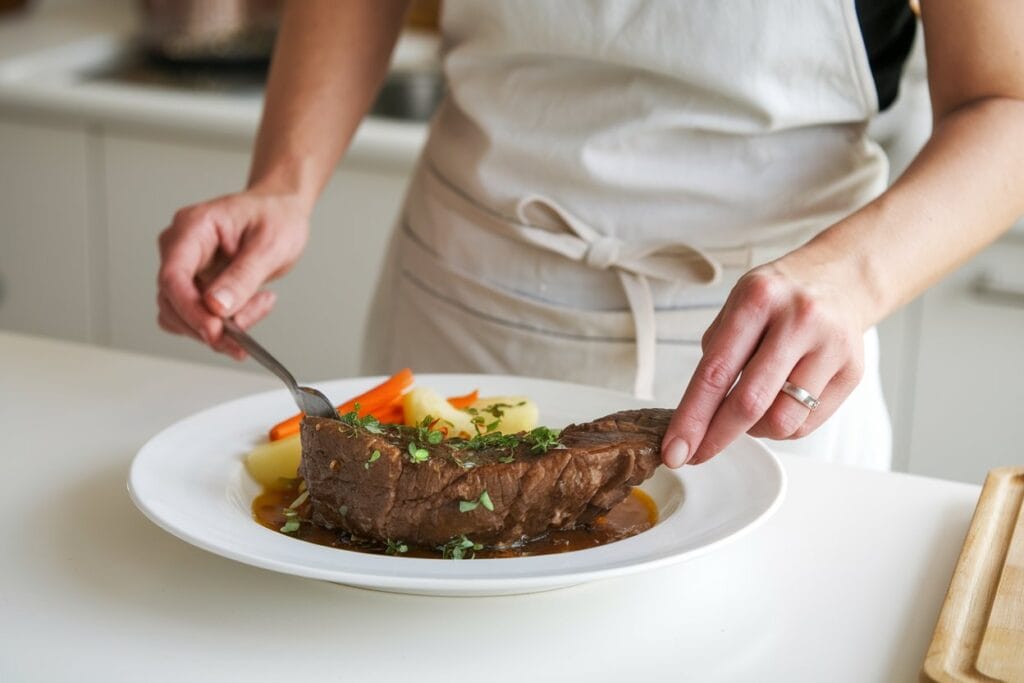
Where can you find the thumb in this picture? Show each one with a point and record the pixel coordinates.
(238, 282)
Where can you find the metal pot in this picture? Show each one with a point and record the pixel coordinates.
(210, 30)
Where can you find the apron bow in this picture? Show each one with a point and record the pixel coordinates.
(603, 253)
(634, 262)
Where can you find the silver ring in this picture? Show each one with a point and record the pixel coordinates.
(800, 394)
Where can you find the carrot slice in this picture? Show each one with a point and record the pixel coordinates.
(286, 427)
(465, 400)
(394, 415)
(381, 396)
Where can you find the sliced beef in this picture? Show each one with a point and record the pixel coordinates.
(392, 497)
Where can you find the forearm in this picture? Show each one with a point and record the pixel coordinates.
(960, 193)
(328, 63)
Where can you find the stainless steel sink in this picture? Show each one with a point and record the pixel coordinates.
(406, 94)
(410, 95)
(109, 71)
(135, 67)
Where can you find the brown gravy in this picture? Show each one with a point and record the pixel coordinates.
(636, 513)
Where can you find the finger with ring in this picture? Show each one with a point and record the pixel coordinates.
(800, 394)
(798, 397)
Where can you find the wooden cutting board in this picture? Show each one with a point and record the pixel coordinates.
(980, 633)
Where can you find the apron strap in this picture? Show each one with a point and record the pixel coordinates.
(634, 263)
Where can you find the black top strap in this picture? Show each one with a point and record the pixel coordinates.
(888, 28)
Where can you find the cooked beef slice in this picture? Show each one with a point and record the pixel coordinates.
(392, 497)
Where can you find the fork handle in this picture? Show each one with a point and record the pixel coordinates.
(263, 357)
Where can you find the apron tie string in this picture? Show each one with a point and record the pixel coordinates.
(603, 253)
(633, 262)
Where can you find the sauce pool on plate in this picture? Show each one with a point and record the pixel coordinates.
(636, 513)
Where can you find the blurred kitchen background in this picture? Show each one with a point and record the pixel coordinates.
(115, 113)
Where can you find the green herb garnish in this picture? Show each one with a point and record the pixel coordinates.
(396, 547)
(369, 423)
(543, 439)
(469, 505)
(459, 548)
(495, 410)
(484, 441)
(291, 521)
(425, 431)
(418, 454)
(374, 457)
(540, 439)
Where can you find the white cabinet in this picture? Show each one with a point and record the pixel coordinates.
(968, 390)
(317, 326)
(897, 337)
(45, 246)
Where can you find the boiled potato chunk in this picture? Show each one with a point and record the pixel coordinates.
(518, 413)
(512, 413)
(422, 402)
(272, 462)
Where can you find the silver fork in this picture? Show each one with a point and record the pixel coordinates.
(309, 400)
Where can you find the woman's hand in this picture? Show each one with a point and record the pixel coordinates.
(329, 59)
(216, 255)
(801, 318)
(782, 321)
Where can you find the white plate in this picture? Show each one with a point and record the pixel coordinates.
(190, 480)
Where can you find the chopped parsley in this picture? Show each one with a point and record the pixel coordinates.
(543, 439)
(417, 454)
(540, 440)
(291, 513)
(374, 457)
(431, 431)
(495, 410)
(396, 547)
(426, 432)
(484, 441)
(369, 422)
(469, 505)
(459, 548)
(291, 521)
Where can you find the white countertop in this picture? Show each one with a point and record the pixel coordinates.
(48, 52)
(844, 583)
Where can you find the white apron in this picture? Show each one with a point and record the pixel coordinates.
(601, 173)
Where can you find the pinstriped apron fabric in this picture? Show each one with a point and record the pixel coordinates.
(601, 173)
